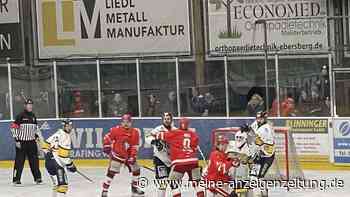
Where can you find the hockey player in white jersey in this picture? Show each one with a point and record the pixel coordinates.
(161, 158)
(242, 146)
(264, 152)
(57, 157)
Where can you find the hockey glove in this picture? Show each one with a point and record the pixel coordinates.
(131, 161)
(71, 167)
(159, 145)
(245, 128)
(107, 149)
(255, 157)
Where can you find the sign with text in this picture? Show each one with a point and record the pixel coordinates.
(70, 28)
(236, 26)
(88, 135)
(309, 135)
(341, 141)
(10, 30)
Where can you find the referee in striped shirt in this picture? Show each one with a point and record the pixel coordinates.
(25, 133)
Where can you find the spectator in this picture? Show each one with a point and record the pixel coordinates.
(274, 109)
(315, 93)
(117, 107)
(171, 103)
(255, 104)
(288, 107)
(78, 107)
(200, 104)
(153, 103)
(210, 100)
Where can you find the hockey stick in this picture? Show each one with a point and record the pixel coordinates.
(84, 176)
(148, 168)
(203, 157)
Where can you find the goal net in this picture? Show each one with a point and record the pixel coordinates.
(286, 165)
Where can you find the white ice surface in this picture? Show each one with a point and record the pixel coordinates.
(78, 187)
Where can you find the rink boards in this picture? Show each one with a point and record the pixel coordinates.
(310, 135)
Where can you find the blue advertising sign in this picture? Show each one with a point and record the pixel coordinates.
(341, 141)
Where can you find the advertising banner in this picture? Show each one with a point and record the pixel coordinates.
(88, 135)
(310, 135)
(70, 28)
(236, 26)
(10, 30)
(341, 143)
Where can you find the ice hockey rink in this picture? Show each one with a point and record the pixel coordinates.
(79, 187)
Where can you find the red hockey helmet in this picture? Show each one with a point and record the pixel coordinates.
(221, 140)
(221, 143)
(184, 123)
(126, 120)
(127, 117)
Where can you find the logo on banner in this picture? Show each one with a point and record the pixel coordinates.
(59, 21)
(344, 128)
(45, 126)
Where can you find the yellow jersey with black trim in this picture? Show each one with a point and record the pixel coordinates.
(60, 145)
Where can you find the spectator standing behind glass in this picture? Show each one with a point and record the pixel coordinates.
(199, 104)
(25, 132)
(117, 107)
(209, 99)
(78, 107)
(314, 93)
(170, 105)
(153, 103)
(274, 108)
(288, 107)
(255, 104)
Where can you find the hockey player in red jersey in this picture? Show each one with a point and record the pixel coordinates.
(121, 144)
(183, 144)
(220, 170)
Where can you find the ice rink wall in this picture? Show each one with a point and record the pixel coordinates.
(311, 136)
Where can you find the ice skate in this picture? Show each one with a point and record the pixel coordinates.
(136, 192)
(104, 194)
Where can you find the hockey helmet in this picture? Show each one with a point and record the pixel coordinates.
(221, 143)
(126, 120)
(261, 117)
(126, 117)
(67, 125)
(184, 123)
(221, 140)
(66, 122)
(241, 138)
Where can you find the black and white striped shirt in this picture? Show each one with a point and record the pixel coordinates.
(25, 127)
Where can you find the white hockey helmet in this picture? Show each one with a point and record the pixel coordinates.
(240, 138)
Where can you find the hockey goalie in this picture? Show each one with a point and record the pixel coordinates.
(262, 150)
(57, 158)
